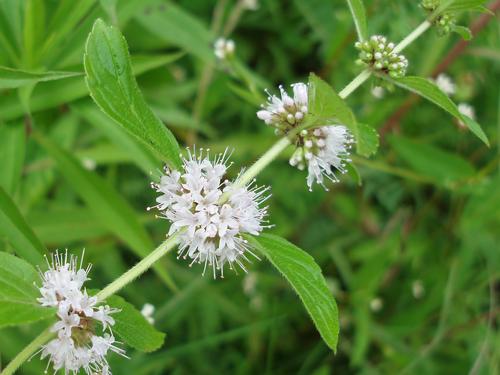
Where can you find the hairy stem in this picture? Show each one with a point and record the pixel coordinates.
(139, 268)
(27, 352)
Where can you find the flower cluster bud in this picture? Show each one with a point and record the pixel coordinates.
(430, 5)
(379, 54)
(444, 23)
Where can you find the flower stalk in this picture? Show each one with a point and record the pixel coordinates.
(139, 268)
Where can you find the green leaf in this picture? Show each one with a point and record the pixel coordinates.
(305, 276)
(359, 15)
(429, 90)
(174, 25)
(463, 31)
(12, 78)
(15, 229)
(12, 152)
(133, 328)
(113, 87)
(460, 5)
(368, 140)
(441, 166)
(113, 211)
(18, 294)
(327, 107)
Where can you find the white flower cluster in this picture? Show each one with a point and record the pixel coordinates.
(223, 48)
(76, 346)
(210, 225)
(446, 84)
(378, 54)
(321, 150)
(286, 112)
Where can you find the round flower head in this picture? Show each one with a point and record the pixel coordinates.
(445, 84)
(378, 54)
(224, 48)
(210, 225)
(322, 150)
(77, 345)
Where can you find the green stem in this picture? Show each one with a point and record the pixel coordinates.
(258, 166)
(27, 352)
(355, 83)
(139, 268)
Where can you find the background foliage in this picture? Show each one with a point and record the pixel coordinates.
(427, 210)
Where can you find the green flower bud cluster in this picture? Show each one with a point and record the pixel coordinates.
(430, 5)
(444, 22)
(378, 54)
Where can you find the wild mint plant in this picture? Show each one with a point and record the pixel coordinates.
(215, 221)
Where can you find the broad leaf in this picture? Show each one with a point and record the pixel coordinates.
(15, 229)
(18, 294)
(113, 87)
(131, 327)
(113, 211)
(328, 107)
(368, 140)
(359, 15)
(305, 276)
(431, 92)
(12, 78)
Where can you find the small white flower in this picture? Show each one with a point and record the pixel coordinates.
(417, 288)
(445, 84)
(67, 322)
(147, 311)
(223, 48)
(378, 92)
(77, 345)
(210, 229)
(103, 315)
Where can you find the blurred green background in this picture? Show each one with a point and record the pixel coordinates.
(411, 255)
